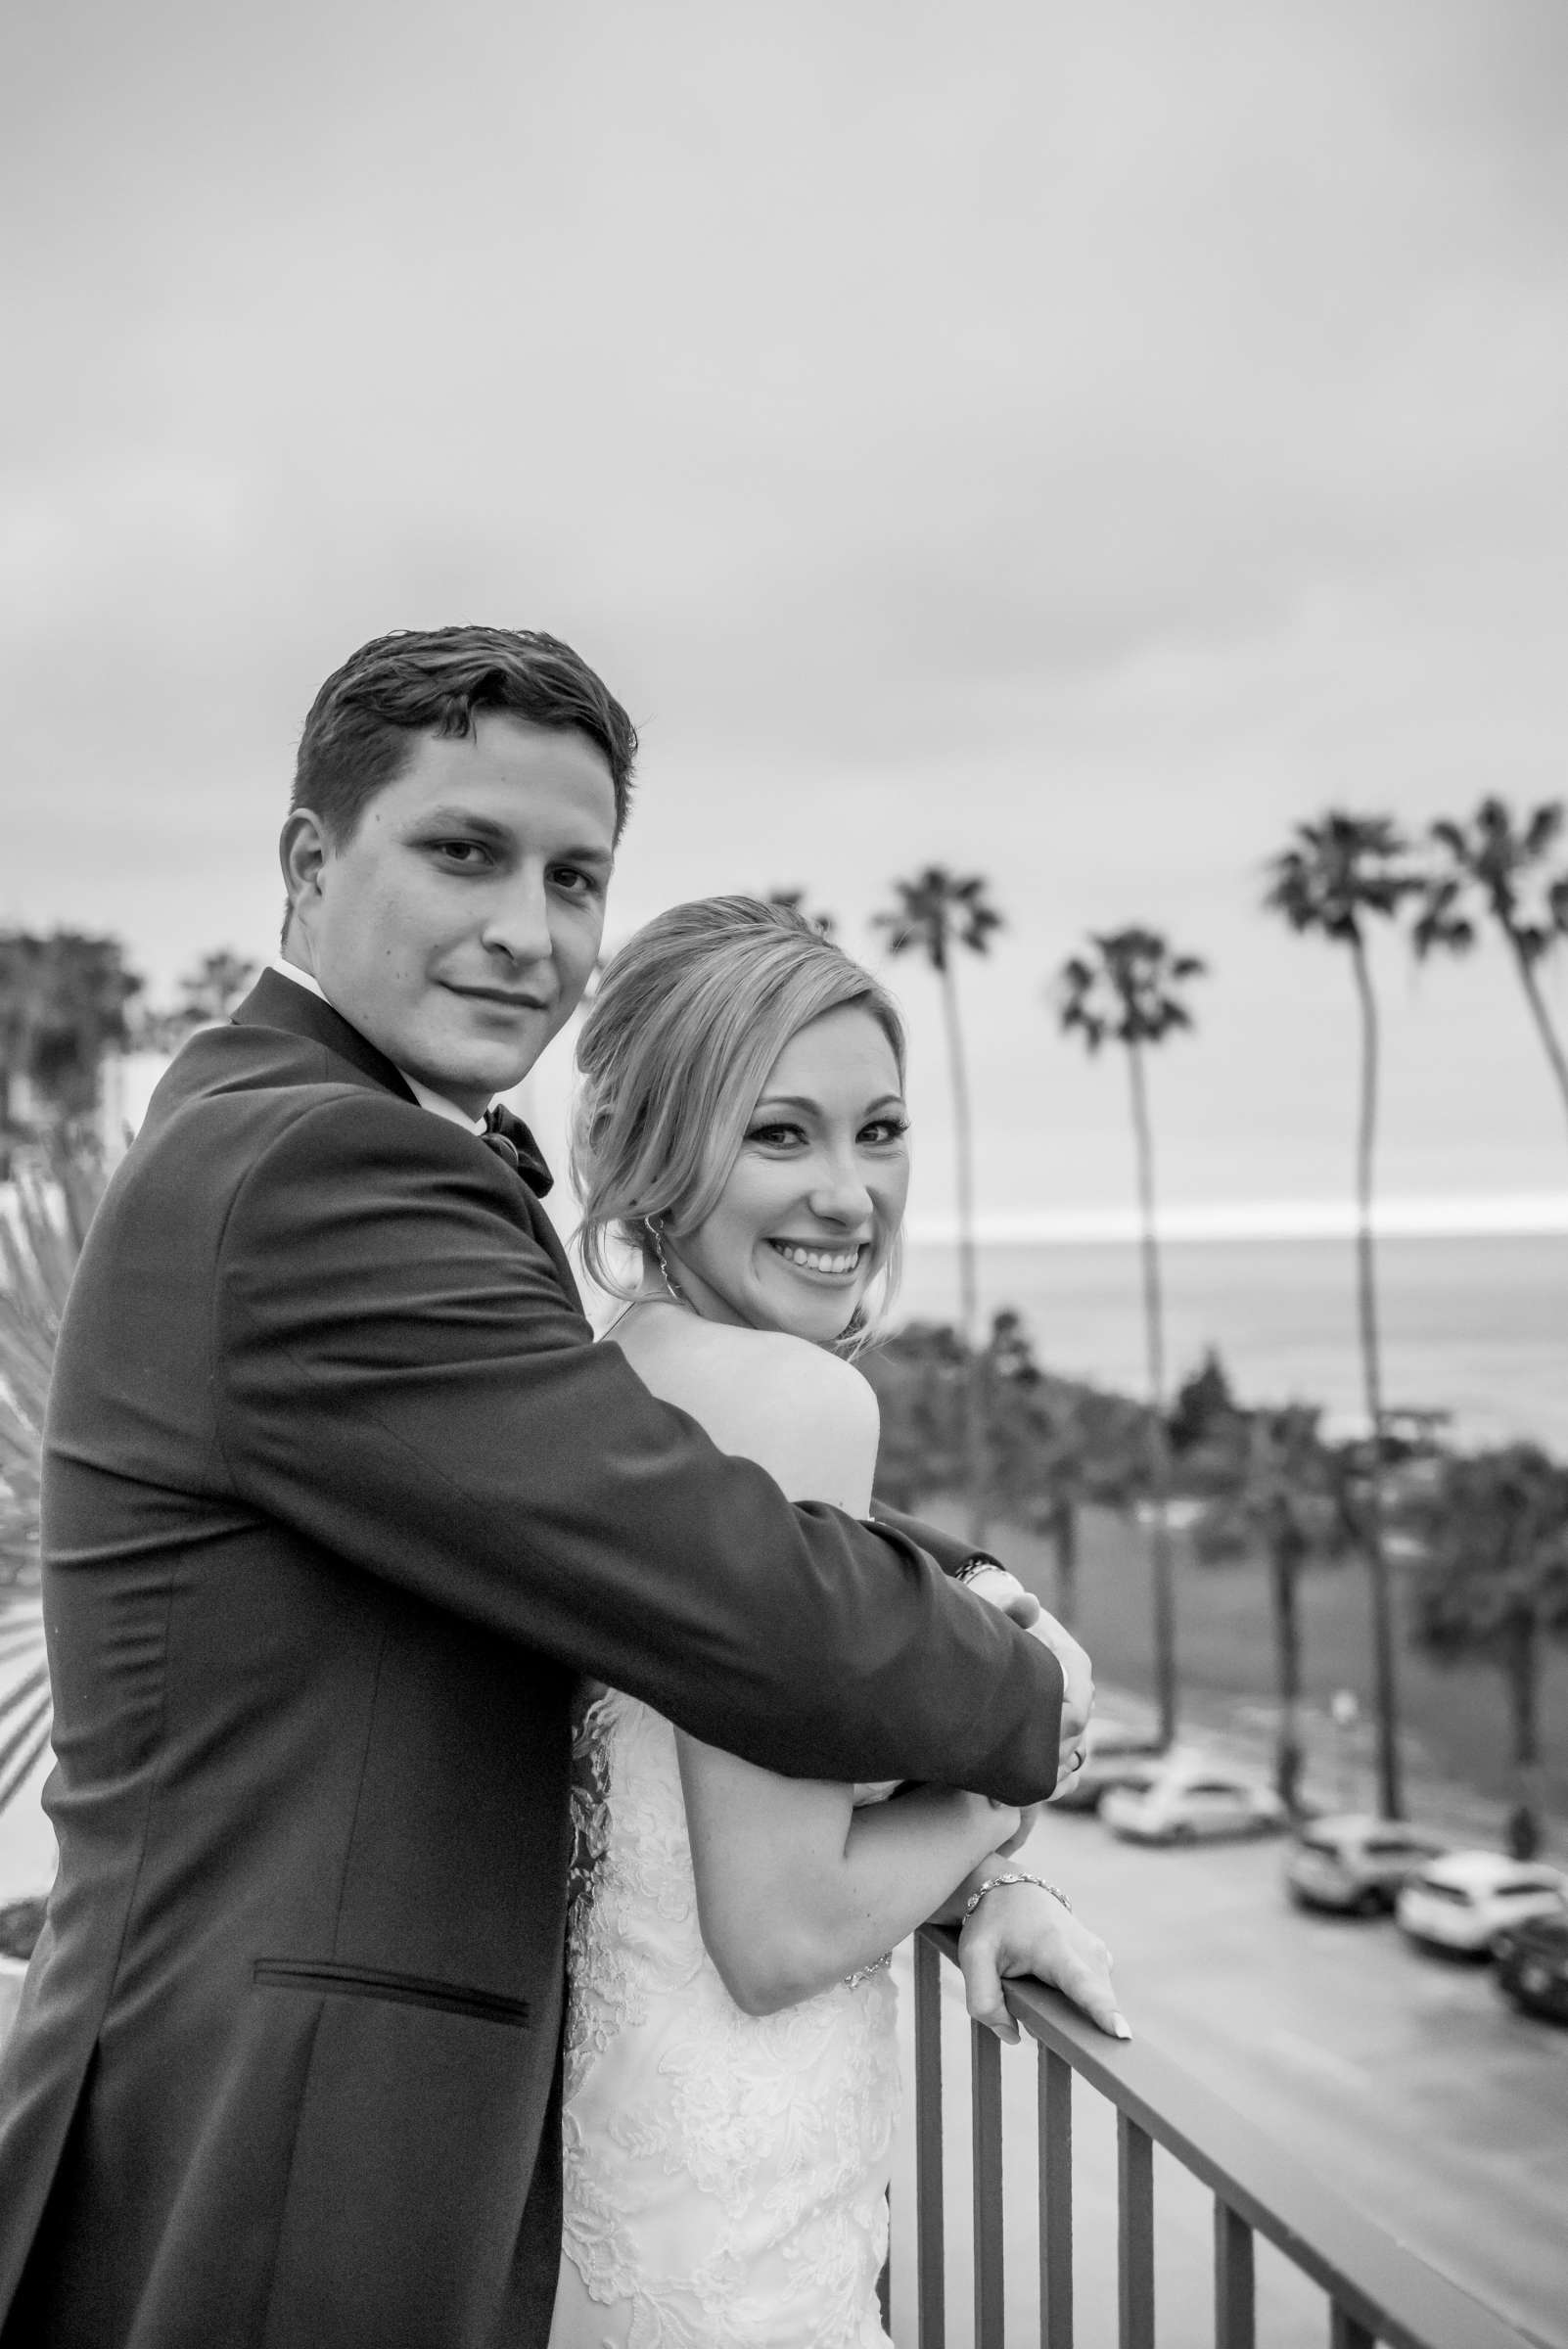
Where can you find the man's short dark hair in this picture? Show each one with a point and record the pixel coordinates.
(360, 732)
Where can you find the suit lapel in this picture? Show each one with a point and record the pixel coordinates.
(277, 1003)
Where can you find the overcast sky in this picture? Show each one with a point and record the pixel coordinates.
(1074, 443)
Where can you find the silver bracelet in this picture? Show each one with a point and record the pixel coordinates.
(1015, 1876)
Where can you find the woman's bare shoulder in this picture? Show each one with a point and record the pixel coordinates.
(811, 1418)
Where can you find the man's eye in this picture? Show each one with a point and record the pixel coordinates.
(574, 882)
(464, 852)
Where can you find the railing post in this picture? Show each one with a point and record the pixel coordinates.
(1234, 2317)
(1377, 2295)
(984, 2062)
(1134, 2244)
(931, 2261)
(1055, 2090)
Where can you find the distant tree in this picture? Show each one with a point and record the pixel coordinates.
(1336, 877)
(51, 1204)
(1129, 990)
(940, 914)
(920, 1373)
(794, 900)
(1204, 1403)
(1498, 864)
(1056, 1448)
(1275, 1487)
(208, 994)
(1494, 1584)
(64, 1000)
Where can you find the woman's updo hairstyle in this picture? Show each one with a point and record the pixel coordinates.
(688, 1019)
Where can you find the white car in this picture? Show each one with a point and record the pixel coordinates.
(1356, 1863)
(1465, 1900)
(1187, 1797)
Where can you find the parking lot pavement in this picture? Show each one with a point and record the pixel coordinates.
(1404, 2081)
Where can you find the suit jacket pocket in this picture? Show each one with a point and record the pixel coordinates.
(324, 1975)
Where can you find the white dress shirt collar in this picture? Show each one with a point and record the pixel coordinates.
(437, 1103)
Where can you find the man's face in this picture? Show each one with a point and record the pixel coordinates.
(460, 924)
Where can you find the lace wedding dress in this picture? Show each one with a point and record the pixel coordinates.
(725, 2173)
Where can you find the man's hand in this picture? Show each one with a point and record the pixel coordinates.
(1024, 1929)
(1077, 1677)
(1000, 1588)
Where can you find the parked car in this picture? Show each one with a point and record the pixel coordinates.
(1356, 1863)
(1187, 1796)
(1533, 1965)
(1467, 1899)
(1117, 1755)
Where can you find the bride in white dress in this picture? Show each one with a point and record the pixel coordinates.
(731, 2082)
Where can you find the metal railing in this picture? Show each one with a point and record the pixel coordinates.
(1374, 2291)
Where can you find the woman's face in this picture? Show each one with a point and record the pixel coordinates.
(815, 1198)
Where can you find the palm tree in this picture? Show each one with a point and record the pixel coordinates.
(40, 1239)
(63, 1004)
(940, 914)
(794, 900)
(1336, 877)
(1486, 864)
(207, 994)
(1495, 1585)
(1128, 990)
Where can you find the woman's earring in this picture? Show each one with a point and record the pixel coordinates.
(651, 1227)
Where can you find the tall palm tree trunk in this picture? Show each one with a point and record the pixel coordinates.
(1158, 1449)
(1063, 1544)
(968, 1267)
(1383, 1664)
(1522, 1666)
(1541, 1016)
(1284, 1561)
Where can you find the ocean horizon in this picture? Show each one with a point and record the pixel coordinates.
(1474, 1325)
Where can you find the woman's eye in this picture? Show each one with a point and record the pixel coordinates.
(883, 1131)
(774, 1137)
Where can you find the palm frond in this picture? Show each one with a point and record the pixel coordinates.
(43, 1221)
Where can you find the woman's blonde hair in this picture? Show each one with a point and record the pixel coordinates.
(689, 1018)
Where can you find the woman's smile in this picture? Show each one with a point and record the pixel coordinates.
(821, 1260)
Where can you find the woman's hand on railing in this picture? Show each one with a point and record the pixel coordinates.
(1024, 1929)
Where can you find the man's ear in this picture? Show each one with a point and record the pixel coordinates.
(301, 852)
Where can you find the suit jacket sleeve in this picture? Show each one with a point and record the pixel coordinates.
(950, 1550)
(400, 1378)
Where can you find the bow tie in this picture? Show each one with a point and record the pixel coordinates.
(515, 1146)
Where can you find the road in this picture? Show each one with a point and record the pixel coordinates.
(1404, 2080)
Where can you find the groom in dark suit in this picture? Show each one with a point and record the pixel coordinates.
(340, 1502)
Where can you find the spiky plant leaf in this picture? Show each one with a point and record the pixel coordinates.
(44, 1215)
